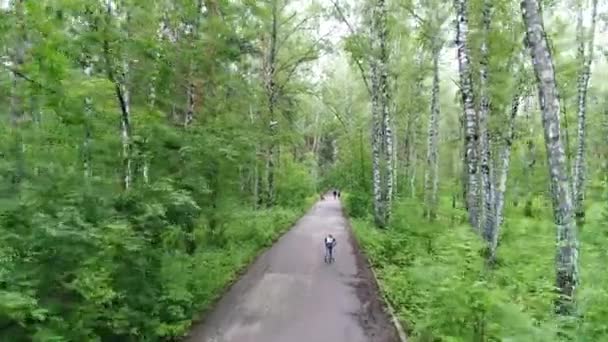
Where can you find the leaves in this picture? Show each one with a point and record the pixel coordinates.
(81, 259)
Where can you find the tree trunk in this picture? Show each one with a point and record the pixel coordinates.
(385, 105)
(271, 92)
(501, 183)
(567, 240)
(382, 141)
(88, 117)
(410, 143)
(530, 158)
(17, 110)
(191, 87)
(123, 95)
(255, 176)
(583, 84)
(432, 155)
(487, 212)
(122, 91)
(376, 143)
(470, 115)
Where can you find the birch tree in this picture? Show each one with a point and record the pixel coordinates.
(382, 140)
(431, 31)
(279, 66)
(471, 135)
(117, 68)
(486, 213)
(585, 58)
(566, 259)
(17, 101)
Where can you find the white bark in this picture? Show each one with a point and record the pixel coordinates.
(191, 88)
(566, 262)
(432, 157)
(88, 113)
(125, 125)
(270, 68)
(501, 183)
(17, 101)
(376, 140)
(585, 59)
(189, 116)
(487, 212)
(120, 78)
(255, 176)
(470, 115)
(382, 140)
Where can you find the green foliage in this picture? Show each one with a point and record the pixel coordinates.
(357, 204)
(435, 276)
(105, 272)
(294, 183)
(81, 257)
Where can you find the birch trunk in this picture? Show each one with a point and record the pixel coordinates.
(432, 156)
(190, 100)
(486, 213)
(376, 125)
(501, 183)
(583, 83)
(191, 87)
(255, 176)
(382, 134)
(125, 124)
(411, 139)
(17, 110)
(271, 92)
(122, 93)
(530, 157)
(88, 117)
(385, 100)
(376, 143)
(566, 262)
(470, 115)
(164, 27)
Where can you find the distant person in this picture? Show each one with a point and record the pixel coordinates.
(330, 243)
(338, 194)
(335, 194)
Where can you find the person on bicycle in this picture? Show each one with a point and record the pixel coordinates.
(330, 243)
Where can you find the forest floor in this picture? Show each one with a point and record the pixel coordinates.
(290, 294)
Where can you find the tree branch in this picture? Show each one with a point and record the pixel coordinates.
(294, 30)
(20, 74)
(352, 32)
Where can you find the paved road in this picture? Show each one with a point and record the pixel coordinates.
(290, 295)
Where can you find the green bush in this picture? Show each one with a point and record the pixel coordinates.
(357, 204)
(435, 276)
(141, 271)
(294, 184)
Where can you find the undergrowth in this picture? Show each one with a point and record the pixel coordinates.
(435, 276)
(83, 270)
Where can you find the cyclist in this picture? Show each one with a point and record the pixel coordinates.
(330, 243)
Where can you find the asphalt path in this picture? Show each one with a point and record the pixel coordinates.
(289, 294)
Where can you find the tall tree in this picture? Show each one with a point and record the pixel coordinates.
(471, 135)
(585, 58)
(382, 139)
(486, 213)
(566, 261)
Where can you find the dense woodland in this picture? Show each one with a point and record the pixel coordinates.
(151, 148)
